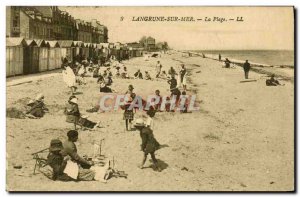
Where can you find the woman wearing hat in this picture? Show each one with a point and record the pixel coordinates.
(149, 143)
(128, 113)
(69, 78)
(104, 87)
(37, 107)
(57, 162)
(147, 75)
(74, 116)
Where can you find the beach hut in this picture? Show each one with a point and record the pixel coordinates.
(78, 47)
(14, 56)
(54, 55)
(43, 54)
(85, 50)
(67, 47)
(31, 57)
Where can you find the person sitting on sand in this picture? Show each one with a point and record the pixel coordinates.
(172, 71)
(74, 116)
(57, 161)
(227, 63)
(149, 143)
(70, 149)
(147, 75)
(105, 88)
(108, 77)
(124, 73)
(272, 81)
(37, 107)
(100, 79)
(96, 72)
(138, 74)
(163, 75)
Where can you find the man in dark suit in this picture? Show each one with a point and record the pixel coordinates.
(246, 69)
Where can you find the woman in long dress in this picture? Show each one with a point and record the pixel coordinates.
(182, 77)
(69, 78)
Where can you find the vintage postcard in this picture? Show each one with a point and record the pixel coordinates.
(109, 99)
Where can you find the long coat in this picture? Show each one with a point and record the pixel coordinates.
(149, 143)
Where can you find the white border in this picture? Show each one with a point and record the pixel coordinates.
(106, 3)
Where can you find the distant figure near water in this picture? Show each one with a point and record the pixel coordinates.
(246, 67)
(272, 81)
(227, 63)
(220, 57)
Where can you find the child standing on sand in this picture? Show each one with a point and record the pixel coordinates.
(128, 113)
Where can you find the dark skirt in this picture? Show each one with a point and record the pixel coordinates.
(128, 115)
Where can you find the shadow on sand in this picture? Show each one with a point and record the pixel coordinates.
(161, 164)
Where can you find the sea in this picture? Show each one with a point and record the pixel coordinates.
(269, 57)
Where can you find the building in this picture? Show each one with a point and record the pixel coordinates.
(162, 46)
(99, 34)
(150, 43)
(63, 24)
(83, 31)
(51, 23)
(134, 45)
(28, 22)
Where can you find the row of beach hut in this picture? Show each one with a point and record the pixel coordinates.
(33, 56)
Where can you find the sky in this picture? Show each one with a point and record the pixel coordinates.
(268, 28)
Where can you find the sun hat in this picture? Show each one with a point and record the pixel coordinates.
(39, 97)
(130, 87)
(102, 85)
(139, 122)
(71, 97)
(31, 101)
(74, 100)
(55, 145)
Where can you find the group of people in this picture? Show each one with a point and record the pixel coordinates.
(60, 153)
(247, 67)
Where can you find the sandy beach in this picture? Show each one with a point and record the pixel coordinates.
(241, 139)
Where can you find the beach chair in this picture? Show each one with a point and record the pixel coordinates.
(40, 159)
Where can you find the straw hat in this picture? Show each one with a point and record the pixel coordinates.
(55, 145)
(74, 100)
(139, 122)
(31, 101)
(102, 85)
(39, 97)
(71, 97)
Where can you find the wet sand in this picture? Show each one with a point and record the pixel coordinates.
(242, 139)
